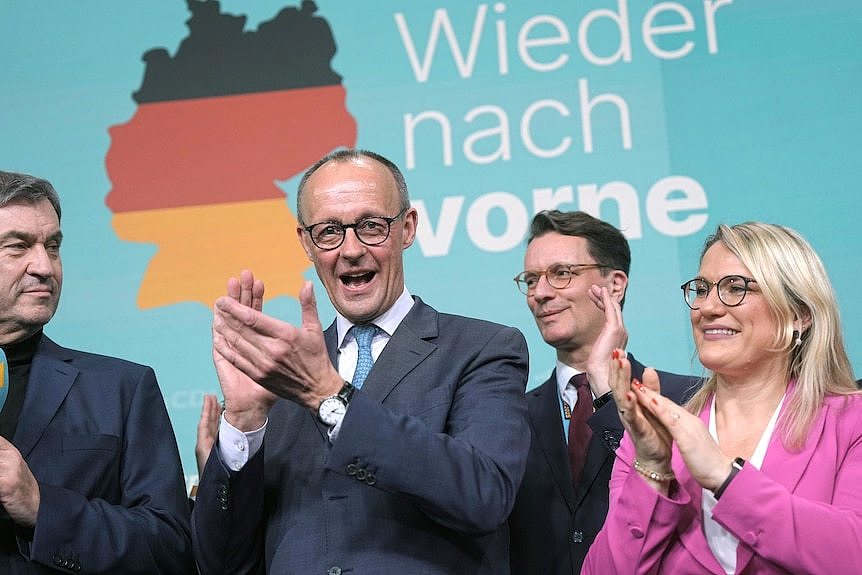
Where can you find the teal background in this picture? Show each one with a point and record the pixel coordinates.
(769, 126)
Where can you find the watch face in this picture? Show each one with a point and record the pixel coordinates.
(331, 410)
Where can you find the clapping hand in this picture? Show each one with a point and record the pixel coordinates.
(655, 423)
(246, 403)
(284, 360)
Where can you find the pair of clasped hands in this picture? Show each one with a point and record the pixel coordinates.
(259, 358)
(653, 422)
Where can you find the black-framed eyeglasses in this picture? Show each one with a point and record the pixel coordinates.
(731, 290)
(371, 231)
(559, 276)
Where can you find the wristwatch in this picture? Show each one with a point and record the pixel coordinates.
(332, 409)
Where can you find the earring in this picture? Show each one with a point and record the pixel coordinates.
(797, 338)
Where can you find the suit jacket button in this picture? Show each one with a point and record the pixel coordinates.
(371, 479)
(334, 570)
(637, 532)
(361, 474)
(577, 536)
(351, 469)
(57, 559)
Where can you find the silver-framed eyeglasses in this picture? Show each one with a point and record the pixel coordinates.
(731, 290)
(371, 231)
(559, 276)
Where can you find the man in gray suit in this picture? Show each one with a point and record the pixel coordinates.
(322, 466)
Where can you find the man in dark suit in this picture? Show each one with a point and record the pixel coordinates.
(575, 280)
(90, 476)
(411, 470)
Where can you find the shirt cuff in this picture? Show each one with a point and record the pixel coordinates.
(236, 447)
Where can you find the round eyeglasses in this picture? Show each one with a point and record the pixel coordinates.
(731, 290)
(559, 276)
(370, 231)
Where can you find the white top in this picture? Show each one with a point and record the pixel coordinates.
(721, 541)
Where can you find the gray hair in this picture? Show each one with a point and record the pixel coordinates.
(29, 189)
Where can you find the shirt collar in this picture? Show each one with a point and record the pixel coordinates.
(388, 321)
(564, 374)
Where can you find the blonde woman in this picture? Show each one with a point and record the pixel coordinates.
(762, 472)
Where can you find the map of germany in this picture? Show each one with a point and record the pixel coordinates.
(194, 171)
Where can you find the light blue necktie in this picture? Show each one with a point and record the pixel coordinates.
(363, 334)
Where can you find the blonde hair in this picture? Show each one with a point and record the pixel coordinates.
(796, 287)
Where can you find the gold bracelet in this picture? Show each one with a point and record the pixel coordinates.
(654, 475)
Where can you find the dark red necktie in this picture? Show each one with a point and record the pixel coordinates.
(579, 430)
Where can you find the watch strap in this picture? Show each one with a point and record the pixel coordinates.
(347, 391)
(602, 399)
(735, 467)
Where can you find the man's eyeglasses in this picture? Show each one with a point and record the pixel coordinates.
(370, 231)
(731, 290)
(559, 276)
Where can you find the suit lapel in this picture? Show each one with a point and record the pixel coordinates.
(330, 338)
(544, 411)
(51, 378)
(603, 443)
(598, 453)
(787, 467)
(409, 346)
(783, 466)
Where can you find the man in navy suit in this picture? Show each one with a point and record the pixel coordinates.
(575, 280)
(90, 476)
(413, 469)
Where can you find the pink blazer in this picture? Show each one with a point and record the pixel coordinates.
(801, 513)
